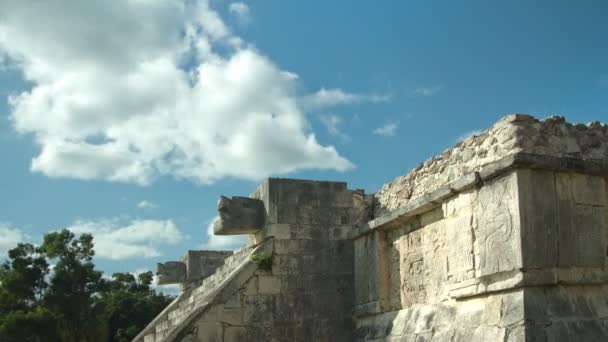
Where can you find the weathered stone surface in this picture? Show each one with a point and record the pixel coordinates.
(497, 227)
(511, 135)
(239, 215)
(582, 221)
(202, 264)
(502, 238)
(538, 212)
(460, 259)
(171, 272)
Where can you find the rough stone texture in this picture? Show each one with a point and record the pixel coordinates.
(202, 264)
(508, 261)
(171, 272)
(308, 293)
(239, 215)
(503, 238)
(513, 134)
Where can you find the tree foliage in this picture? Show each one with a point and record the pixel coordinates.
(73, 302)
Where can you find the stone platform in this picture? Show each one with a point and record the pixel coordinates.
(504, 237)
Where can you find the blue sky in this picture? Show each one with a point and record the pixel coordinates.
(221, 94)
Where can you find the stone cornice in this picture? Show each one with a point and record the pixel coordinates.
(495, 169)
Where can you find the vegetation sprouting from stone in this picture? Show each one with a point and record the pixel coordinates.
(71, 301)
(263, 261)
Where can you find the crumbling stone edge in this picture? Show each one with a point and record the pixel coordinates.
(232, 283)
(476, 179)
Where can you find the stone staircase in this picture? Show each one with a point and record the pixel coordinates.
(191, 301)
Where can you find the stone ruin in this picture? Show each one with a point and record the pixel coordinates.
(503, 237)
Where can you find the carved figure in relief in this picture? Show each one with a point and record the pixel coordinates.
(496, 228)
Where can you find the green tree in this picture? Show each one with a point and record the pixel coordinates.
(72, 288)
(73, 303)
(131, 304)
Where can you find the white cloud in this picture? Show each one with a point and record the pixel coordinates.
(335, 96)
(426, 91)
(241, 11)
(222, 242)
(174, 92)
(332, 123)
(138, 239)
(9, 238)
(387, 130)
(147, 205)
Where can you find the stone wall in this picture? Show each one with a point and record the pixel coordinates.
(512, 134)
(519, 257)
(502, 238)
(307, 295)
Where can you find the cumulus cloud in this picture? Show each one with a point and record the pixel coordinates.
(129, 91)
(387, 130)
(426, 91)
(332, 123)
(241, 11)
(324, 98)
(147, 205)
(138, 239)
(222, 242)
(9, 238)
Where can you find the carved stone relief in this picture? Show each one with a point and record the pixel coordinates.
(497, 238)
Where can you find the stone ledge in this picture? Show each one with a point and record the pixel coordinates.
(506, 281)
(492, 170)
(367, 309)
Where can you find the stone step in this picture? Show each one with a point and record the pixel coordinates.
(197, 296)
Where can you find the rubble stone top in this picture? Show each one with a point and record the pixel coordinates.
(514, 133)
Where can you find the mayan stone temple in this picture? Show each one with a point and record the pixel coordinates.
(500, 238)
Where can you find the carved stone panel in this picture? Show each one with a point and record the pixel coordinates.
(460, 259)
(423, 264)
(497, 231)
(412, 269)
(435, 260)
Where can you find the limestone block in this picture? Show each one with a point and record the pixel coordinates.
(171, 272)
(202, 264)
(286, 246)
(232, 316)
(412, 269)
(378, 269)
(360, 271)
(497, 228)
(234, 301)
(258, 309)
(269, 284)
(588, 190)
(582, 226)
(235, 334)
(459, 203)
(279, 231)
(210, 331)
(239, 215)
(251, 287)
(431, 216)
(460, 259)
(538, 212)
